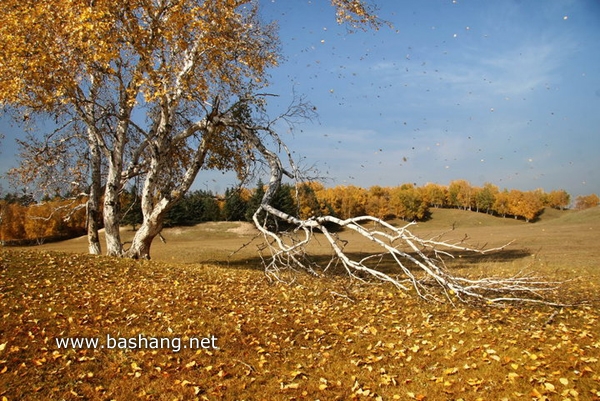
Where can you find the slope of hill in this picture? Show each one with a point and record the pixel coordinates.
(444, 218)
(587, 216)
(317, 338)
(448, 217)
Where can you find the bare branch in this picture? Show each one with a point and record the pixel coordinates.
(418, 262)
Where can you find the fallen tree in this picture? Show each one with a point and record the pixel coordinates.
(419, 262)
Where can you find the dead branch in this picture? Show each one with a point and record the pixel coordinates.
(419, 262)
(72, 207)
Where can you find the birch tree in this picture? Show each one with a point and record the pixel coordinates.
(146, 79)
(111, 60)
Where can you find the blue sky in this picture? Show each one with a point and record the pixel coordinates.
(506, 92)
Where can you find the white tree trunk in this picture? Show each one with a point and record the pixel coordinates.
(114, 247)
(144, 236)
(93, 203)
(112, 201)
(154, 212)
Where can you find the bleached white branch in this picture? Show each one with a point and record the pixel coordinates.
(419, 262)
(427, 275)
(71, 209)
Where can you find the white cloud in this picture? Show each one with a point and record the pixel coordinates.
(528, 67)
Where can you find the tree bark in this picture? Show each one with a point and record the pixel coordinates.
(142, 241)
(112, 202)
(93, 203)
(114, 247)
(153, 211)
(93, 218)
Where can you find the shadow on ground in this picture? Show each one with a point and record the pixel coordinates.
(462, 260)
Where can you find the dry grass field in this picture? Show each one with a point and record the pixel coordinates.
(325, 339)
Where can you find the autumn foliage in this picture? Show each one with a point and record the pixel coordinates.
(586, 202)
(58, 219)
(409, 202)
(36, 223)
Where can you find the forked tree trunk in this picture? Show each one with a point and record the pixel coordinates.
(154, 212)
(150, 228)
(140, 246)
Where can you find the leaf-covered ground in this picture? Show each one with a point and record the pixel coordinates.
(315, 339)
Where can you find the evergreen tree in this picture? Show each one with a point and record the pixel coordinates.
(255, 200)
(235, 206)
(195, 207)
(132, 208)
(284, 200)
(210, 208)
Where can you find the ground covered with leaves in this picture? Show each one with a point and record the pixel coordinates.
(314, 339)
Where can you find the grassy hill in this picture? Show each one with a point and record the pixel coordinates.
(446, 217)
(221, 242)
(588, 216)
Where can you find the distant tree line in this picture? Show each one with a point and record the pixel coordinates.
(23, 220)
(409, 202)
(237, 204)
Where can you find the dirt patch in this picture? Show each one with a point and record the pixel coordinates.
(244, 228)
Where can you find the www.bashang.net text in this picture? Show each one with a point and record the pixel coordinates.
(140, 341)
